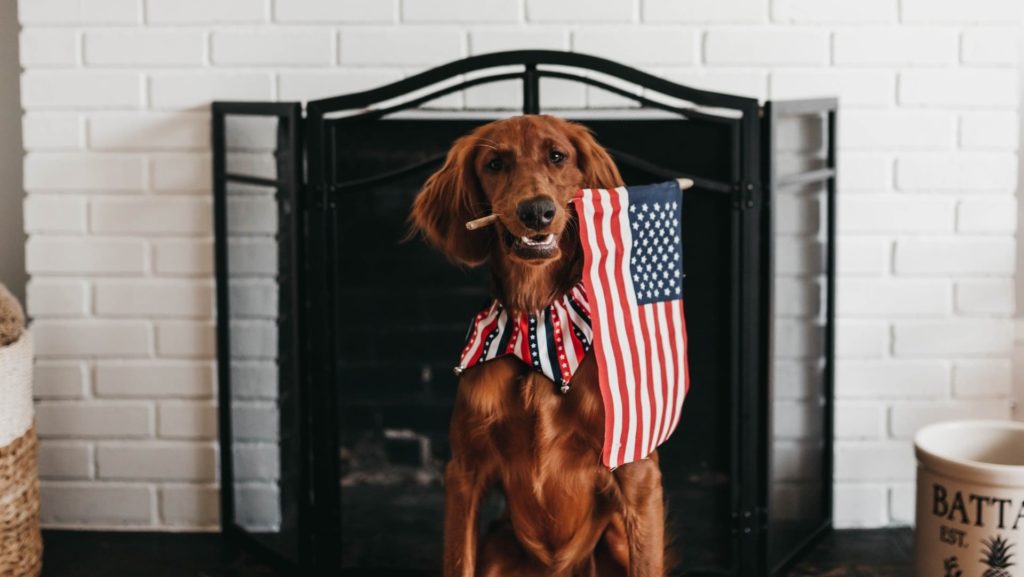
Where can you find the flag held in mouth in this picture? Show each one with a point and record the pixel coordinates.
(633, 275)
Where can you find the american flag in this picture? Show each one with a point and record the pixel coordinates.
(633, 274)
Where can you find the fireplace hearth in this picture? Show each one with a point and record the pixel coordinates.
(336, 337)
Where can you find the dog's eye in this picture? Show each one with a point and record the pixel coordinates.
(556, 156)
(496, 164)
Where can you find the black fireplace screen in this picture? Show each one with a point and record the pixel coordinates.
(337, 335)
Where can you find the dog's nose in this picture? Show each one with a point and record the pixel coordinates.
(537, 212)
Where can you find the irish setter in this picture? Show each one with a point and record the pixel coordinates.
(512, 429)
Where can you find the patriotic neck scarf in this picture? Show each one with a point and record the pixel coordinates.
(552, 340)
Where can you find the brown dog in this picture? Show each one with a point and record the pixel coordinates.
(566, 514)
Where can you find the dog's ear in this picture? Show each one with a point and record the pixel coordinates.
(450, 198)
(597, 166)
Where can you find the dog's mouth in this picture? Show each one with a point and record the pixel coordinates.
(535, 247)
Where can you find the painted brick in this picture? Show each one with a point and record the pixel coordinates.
(79, 11)
(646, 45)
(988, 215)
(67, 255)
(257, 462)
(51, 297)
(92, 420)
(752, 84)
(893, 298)
(895, 46)
(176, 420)
(247, 257)
(902, 498)
(944, 256)
(892, 379)
(185, 339)
(945, 338)
(151, 216)
(183, 257)
(78, 90)
(50, 131)
(863, 256)
(177, 90)
(747, 47)
(77, 504)
(835, 11)
(905, 419)
(251, 339)
(859, 339)
(143, 48)
(254, 379)
(146, 379)
(313, 85)
(205, 11)
(190, 506)
(255, 421)
(252, 215)
(864, 172)
(59, 379)
(961, 172)
(712, 11)
(484, 40)
(959, 88)
(878, 213)
(181, 173)
(994, 297)
(65, 460)
(573, 11)
(156, 462)
(990, 46)
(48, 47)
(83, 172)
(54, 213)
(148, 131)
(72, 338)
(329, 11)
(997, 130)
(986, 378)
(390, 46)
(460, 11)
(299, 47)
(860, 506)
(154, 298)
(258, 507)
(873, 461)
(253, 298)
(856, 88)
(995, 11)
(896, 129)
(859, 420)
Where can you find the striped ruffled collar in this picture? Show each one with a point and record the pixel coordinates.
(553, 340)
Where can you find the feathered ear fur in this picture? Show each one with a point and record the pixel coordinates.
(450, 198)
(597, 166)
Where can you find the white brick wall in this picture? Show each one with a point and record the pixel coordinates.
(117, 173)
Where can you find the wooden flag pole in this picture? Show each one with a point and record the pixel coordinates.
(684, 183)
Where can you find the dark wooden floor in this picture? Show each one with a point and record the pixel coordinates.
(873, 553)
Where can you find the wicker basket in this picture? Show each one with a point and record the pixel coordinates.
(21, 546)
(20, 542)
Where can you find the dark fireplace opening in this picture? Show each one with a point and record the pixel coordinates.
(338, 333)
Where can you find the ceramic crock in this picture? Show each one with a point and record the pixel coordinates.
(970, 500)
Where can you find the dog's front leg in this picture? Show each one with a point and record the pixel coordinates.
(462, 493)
(644, 515)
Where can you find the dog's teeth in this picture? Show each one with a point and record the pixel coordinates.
(549, 239)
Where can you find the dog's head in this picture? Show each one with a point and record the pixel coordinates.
(524, 169)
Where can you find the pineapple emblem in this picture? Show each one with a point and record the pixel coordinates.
(997, 557)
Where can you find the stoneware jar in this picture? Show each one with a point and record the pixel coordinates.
(970, 500)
